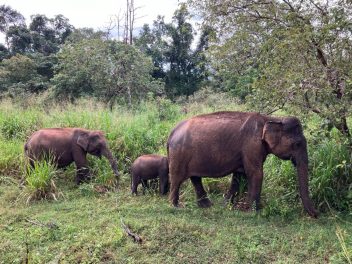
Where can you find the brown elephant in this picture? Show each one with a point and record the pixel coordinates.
(217, 144)
(147, 167)
(68, 145)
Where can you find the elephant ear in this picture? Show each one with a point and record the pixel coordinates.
(272, 132)
(83, 141)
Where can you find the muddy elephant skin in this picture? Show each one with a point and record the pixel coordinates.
(67, 145)
(218, 144)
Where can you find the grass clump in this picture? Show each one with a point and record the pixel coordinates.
(40, 180)
(331, 180)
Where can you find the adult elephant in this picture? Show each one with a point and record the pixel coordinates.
(217, 144)
(67, 145)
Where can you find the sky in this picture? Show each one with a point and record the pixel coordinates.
(93, 13)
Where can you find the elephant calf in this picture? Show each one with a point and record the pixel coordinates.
(149, 167)
(67, 145)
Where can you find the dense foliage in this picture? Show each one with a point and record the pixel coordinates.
(298, 50)
(108, 70)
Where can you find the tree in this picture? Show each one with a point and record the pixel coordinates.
(9, 17)
(48, 34)
(4, 53)
(18, 74)
(19, 39)
(152, 43)
(109, 70)
(302, 51)
(170, 46)
(80, 34)
(179, 79)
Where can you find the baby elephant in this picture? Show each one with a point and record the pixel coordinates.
(149, 167)
(67, 145)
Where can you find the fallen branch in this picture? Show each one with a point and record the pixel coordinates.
(38, 223)
(136, 238)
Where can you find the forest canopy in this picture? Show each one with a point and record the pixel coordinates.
(284, 54)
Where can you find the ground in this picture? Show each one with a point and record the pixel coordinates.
(84, 226)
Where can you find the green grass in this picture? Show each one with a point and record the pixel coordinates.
(85, 228)
(83, 225)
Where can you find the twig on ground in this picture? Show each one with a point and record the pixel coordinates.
(136, 238)
(38, 223)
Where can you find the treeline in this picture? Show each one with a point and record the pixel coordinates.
(290, 55)
(51, 55)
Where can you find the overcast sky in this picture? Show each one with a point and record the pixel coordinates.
(93, 13)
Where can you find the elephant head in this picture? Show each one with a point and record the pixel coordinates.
(284, 138)
(94, 142)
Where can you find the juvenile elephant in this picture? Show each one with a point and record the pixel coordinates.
(217, 144)
(68, 145)
(149, 167)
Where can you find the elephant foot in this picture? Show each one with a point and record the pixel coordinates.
(178, 205)
(204, 203)
(242, 206)
(229, 200)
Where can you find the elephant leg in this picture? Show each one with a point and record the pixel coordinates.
(134, 185)
(82, 173)
(202, 199)
(175, 192)
(163, 184)
(254, 174)
(145, 185)
(234, 188)
(254, 190)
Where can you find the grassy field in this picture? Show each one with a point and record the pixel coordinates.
(84, 224)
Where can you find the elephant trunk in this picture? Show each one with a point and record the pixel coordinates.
(302, 173)
(107, 153)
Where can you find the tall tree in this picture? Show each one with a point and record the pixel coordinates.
(19, 39)
(9, 17)
(170, 46)
(151, 41)
(48, 33)
(302, 49)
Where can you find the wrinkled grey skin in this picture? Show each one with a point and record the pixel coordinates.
(149, 167)
(68, 145)
(217, 144)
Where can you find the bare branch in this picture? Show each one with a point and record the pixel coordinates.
(135, 237)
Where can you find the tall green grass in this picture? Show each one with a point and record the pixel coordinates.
(39, 180)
